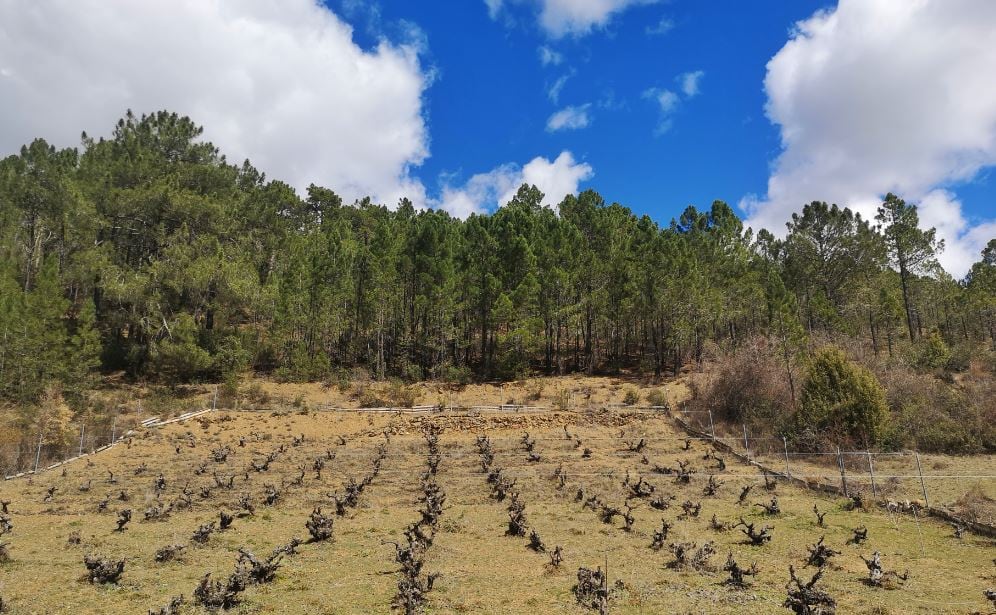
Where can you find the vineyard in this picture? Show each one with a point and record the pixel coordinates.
(613, 511)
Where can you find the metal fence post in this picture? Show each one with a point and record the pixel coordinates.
(746, 446)
(114, 424)
(871, 472)
(38, 453)
(923, 485)
(712, 428)
(843, 477)
(82, 432)
(788, 472)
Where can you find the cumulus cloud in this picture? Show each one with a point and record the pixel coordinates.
(569, 118)
(484, 191)
(885, 95)
(963, 241)
(282, 84)
(559, 18)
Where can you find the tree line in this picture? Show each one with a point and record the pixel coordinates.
(149, 252)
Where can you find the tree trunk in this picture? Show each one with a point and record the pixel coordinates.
(903, 275)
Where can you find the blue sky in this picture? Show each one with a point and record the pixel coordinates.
(490, 102)
(657, 104)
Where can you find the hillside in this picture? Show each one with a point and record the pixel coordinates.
(479, 567)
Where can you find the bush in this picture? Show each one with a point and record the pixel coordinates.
(632, 397)
(339, 379)
(841, 400)
(228, 391)
(369, 397)
(534, 390)
(960, 358)
(562, 400)
(303, 366)
(658, 397)
(930, 415)
(930, 352)
(178, 358)
(747, 387)
(457, 374)
(256, 395)
(402, 395)
(231, 356)
(396, 395)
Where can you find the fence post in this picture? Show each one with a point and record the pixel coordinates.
(923, 485)
(214, 402)
(788, 472)
(604, 597)
(871, 472)
(38, 453)
(712, 428)
(746, 446)
(114, 423)
(82, 432)
(843, 477)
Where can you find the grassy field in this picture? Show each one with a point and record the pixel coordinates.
(481, 570)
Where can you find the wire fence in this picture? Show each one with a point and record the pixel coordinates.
(962, 485)
(898, 476)
(53, 447)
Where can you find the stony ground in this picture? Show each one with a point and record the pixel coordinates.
(480, 568)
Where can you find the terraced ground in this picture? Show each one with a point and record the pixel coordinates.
(480, 569)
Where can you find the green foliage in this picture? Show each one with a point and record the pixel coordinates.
(842, 401)
(228, 391)
(912, 249)
(150, 251)
(960, 358)
(930, 352)
(632, 397)
(930, 415)
(457, 374)
(177, 357)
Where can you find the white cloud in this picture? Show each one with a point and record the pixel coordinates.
(484, 191)
(885, 95)
(549, 57)
(661, 28)
(575, 17)
(690, 82)
(494, 7)
(553, 92)
(555, 179)
(963, 242)
(668, 102)
(282, 84)
(569, 118)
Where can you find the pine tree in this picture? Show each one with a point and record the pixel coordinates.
(913, 250)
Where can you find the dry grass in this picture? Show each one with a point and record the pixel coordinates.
(482, 570)
(584, 392)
